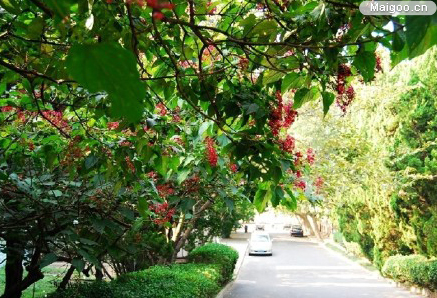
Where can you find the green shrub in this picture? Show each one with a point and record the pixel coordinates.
(87, 289)
(414, 269)
(176, 281)
(214, 253)
(212, 266)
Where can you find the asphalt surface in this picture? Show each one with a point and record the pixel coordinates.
(301, 268)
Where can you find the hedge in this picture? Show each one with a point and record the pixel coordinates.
(214, 253)
(202, 278)
(413, 269)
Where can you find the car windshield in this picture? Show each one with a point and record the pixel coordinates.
(260, 238)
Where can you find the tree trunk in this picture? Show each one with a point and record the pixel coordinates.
(67, 277)
(181, 241)
(14, 268)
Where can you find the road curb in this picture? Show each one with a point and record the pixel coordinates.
(236, 273)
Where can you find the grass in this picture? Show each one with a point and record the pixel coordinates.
(40, 288)
(360, 260)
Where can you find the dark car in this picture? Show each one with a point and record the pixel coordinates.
(296, 230)
(259, 227)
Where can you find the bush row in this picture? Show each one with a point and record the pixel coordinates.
(413, 269)
(210, 267)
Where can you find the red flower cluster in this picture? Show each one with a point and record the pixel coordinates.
(378, 64)
(300, 184)
(7, 109)
(155, 4)
(152, 175)
(192, 184)
(298, 174)
(211, 11)
(233, 167)
(310, 156)
(130, 164)
(162, 110)
(297, 158)
(165, 190)
(290, 115)
(211, 153)
(56, 118)
(163, 212)
(125, 144)
(288, 144)
(112, 125)
(276, 121)
(345, 96)
(243, 63)
(319, 183)
(176, 117)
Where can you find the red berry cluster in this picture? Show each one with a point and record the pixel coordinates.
(288, 144)
(157, 6)
(112, 125)
(233, 167)
(345, 96)
(310, 156)
(165, 190)
(163, 212)
(277, 119)
(130, 164)
(211, 153)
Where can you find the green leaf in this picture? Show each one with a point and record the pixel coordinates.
(143, 207)
(111, 68)
(421, 33)
(56, 193)
(259, 200)
(328, 99)
(271, 76)
(182, 175)
(60, 8)
(365, 62)
(78, 264)
(398, 41)
(10, 6)
(304, 95)
(90, 258)
(230, 204)
(47, 260)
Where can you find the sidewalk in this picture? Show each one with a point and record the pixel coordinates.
(239, 242)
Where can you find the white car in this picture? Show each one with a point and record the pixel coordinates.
(260, 244)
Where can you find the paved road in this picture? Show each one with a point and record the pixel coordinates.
(300, 268)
